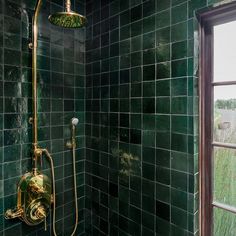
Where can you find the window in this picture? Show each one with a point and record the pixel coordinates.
(218, 122)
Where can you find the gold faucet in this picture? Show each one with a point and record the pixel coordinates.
(11, 214)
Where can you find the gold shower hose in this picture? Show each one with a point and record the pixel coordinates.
(54, 192)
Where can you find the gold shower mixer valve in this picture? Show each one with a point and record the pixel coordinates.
(33, 199)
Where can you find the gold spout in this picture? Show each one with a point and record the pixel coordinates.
(11, 214)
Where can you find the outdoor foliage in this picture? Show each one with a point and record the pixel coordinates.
(229, 104)
(224, 172)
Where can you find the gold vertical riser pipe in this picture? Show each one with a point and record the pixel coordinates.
(34, 80)
(34, 47)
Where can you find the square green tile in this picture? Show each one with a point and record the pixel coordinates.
(163, 19)
(179, 13)
(163, 87)
(148, 89)
(179, 32)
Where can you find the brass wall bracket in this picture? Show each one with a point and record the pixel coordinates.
(31, 46)
(69, 145)
(31, 120)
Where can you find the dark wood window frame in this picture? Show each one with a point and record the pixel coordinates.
(207, 19)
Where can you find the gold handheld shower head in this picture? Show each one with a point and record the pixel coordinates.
(68, 19)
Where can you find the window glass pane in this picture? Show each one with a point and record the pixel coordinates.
(224, 223)
(224, 52)
(225, 114)
(225, 176)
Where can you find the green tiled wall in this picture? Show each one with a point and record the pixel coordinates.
(61, 96)
(141, 167)
(142, 117)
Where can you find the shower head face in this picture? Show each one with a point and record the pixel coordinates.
(68, 19)
(74, 121)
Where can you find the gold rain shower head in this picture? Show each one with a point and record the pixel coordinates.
(68, 19)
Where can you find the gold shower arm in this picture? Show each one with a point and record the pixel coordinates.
(68, 5)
